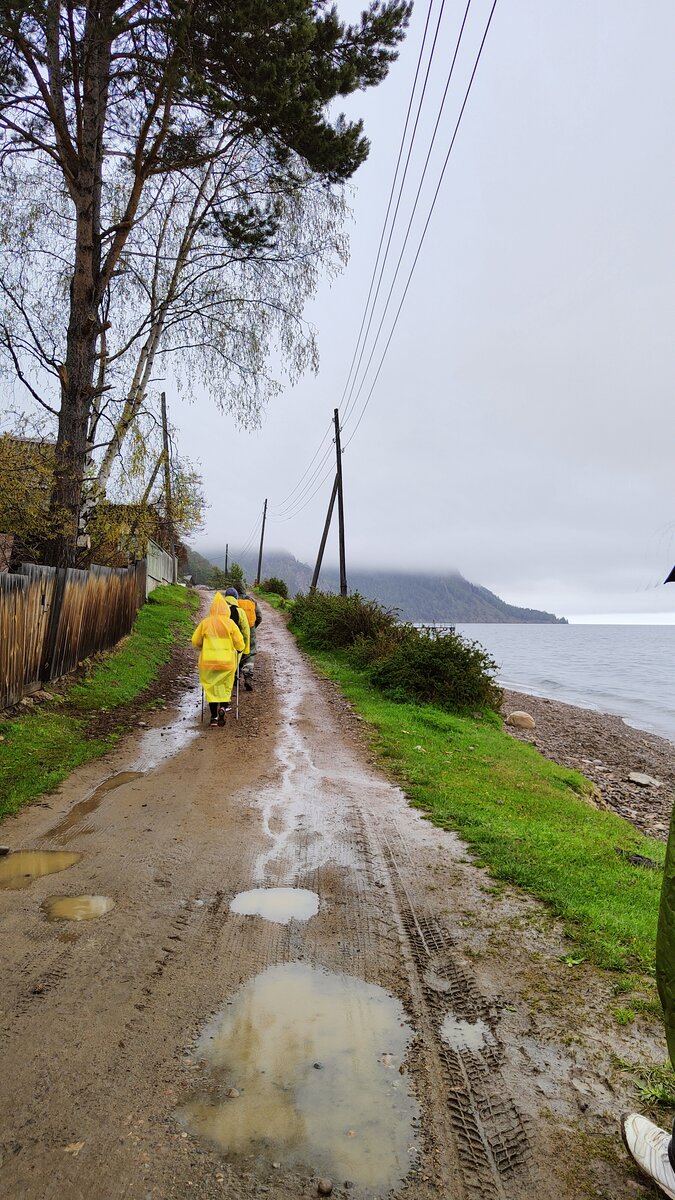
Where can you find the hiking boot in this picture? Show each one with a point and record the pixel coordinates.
(248, 683)
(214, 723)
(648, 1146)
(221, 714)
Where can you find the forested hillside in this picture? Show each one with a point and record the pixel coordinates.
(417, 597)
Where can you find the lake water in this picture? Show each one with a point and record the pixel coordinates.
(628, 670)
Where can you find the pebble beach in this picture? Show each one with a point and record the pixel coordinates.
(606, 751)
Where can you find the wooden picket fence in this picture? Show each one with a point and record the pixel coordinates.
(52, 619)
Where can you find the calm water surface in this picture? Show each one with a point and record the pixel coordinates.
(623, 669)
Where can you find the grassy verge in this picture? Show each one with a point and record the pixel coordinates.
(41, 748)
(274, 600)
(529, 820)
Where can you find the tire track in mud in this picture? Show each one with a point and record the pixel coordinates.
(490, 1133)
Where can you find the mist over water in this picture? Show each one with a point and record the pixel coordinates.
(622, 669)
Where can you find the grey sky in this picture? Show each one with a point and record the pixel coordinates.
(523, 427)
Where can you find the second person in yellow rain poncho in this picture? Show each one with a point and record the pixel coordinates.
(220, 641)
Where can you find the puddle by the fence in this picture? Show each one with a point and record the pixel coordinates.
(19, 869)
(303, 1068)
(464, 1035)
(80, 811)
(277, 904)
(77, 908)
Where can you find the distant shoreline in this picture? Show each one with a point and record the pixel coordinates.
(605, 749)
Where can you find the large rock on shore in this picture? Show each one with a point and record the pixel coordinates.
(521, 720)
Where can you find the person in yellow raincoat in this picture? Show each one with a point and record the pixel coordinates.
(220, 641)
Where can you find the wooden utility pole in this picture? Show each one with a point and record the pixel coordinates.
(341, 513)
(167, 473)
(227, 547)
(262, 538)
(324, 535)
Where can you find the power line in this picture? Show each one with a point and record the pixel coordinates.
(280, 508)
(424, 233)
(398, 163)
(354, 398)
(284, 513)
(283, 503)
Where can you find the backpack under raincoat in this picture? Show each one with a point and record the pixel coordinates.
(220, 641)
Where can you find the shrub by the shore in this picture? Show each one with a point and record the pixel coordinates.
(403, 662)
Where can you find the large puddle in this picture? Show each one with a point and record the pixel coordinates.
(277, 904)
(19, 869)
(77, 908)
(79, 812)
(303, 1067)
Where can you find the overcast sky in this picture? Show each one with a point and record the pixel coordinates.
(523, 426)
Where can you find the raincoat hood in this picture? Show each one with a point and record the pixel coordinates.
(219, 616)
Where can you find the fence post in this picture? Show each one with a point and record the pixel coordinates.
(54, 617)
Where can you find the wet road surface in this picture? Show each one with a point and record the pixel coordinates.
(204, 1035)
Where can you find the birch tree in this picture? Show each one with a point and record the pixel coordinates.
(113, 96)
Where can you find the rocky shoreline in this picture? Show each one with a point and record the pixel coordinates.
(606, 751)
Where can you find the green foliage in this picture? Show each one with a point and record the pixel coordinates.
(402, 661)
(275, 585)
(654, 1084)
(437, 668)
(329, 622)
(528, 819)
(235, 578)
(41, 748)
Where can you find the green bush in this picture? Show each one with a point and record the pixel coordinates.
(401, 661)
(276, 586)
(438, 668)
(329, 622)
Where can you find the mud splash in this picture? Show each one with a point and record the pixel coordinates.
(277, 904)
(76, 908)
(303, 1067)
(80, 811)
(19, 869)
(465, 1035)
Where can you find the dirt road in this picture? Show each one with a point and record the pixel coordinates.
(407, 1030)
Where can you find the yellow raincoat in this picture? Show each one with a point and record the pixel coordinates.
(219, 640)
(245, 627)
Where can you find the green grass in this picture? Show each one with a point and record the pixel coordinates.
(129, 670)
(42, 747)
(274, 600)
(528, 819)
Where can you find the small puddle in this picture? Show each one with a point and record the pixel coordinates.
(277, 904)
(19, 869)
(465, 1035)
(83, 808)
(303, 1067)
(77, 908)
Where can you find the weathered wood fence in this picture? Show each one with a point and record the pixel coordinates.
(52, 619)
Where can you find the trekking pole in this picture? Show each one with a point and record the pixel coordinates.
(237, 709)
(202, 717)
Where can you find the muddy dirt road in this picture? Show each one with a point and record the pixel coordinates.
(388, 1023)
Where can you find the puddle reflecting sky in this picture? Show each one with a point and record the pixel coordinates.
(277, 904)
(314, 1058)
(19, 869)
(76, 908)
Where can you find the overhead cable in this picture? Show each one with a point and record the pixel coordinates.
(424, 232)
(354, 398)
(393, 182)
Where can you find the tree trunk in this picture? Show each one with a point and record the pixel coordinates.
(78, 371)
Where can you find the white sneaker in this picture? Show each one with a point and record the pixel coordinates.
(648, 1145)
